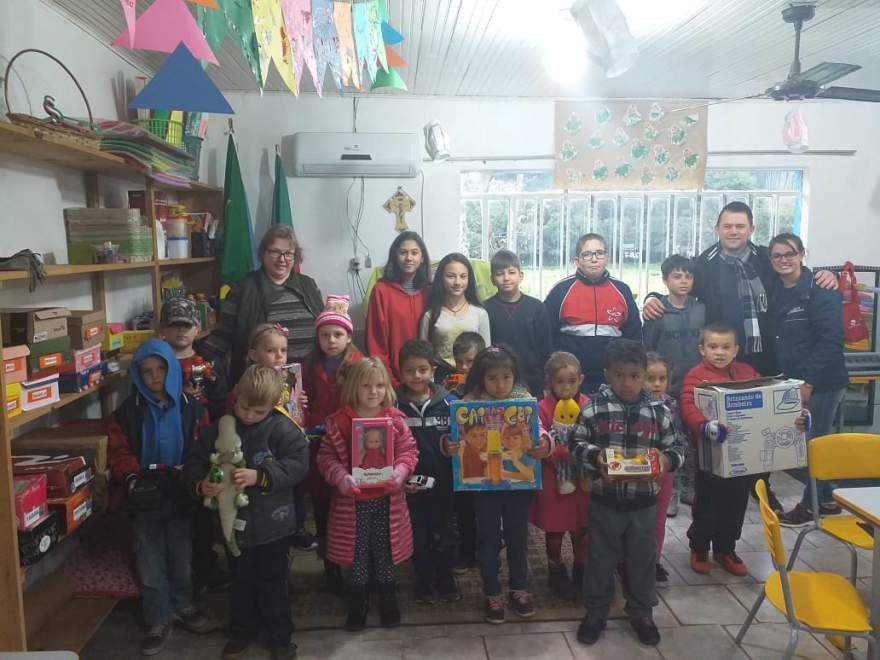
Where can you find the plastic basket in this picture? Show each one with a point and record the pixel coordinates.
(193, 146)
(168, 130)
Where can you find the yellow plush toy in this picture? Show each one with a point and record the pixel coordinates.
(564, 415)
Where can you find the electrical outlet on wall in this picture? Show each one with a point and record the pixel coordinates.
(354, 265)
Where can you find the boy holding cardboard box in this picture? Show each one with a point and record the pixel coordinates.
(624, 417)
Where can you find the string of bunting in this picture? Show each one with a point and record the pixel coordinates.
(349, 40)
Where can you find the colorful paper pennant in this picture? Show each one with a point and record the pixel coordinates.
(347, 53)
(394, 58)
(326, 43)
(181, 84)
(273, 42)
(234, 17)
(390, 35)
(361, 29)
(377, 44)
(164, 25)
(128, 9)
(388, 79)
(210, 4)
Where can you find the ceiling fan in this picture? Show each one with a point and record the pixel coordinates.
(811, 84)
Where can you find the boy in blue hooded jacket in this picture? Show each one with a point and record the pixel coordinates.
(150, 435)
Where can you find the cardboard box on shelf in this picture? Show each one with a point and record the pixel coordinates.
(34, 543)
(86, 358)
(38, 393)
(86, 328)
(72, 438)
(30, 500)
(15, 362)
(13, 400)
(760, 419)
(72, 510)
(48, 356)
(113, 339)
(65, 473)
(71, 381)
(131, 339)
(33, 325)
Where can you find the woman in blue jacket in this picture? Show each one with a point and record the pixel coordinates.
(809, 346)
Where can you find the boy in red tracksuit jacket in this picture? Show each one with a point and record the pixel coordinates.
(719, 504)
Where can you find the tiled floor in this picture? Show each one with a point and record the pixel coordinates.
(698, 617)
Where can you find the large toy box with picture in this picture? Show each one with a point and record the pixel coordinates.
(760, 419)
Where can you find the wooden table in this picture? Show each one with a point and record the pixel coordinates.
(864, 503)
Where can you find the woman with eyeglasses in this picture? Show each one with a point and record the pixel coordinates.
(589, 309)
(809, 346)
(274, 293)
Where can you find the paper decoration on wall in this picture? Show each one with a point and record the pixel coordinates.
(326, 44)
(390, 36)
(164, 25)
(377, 44)
(626, 145)
(347, 53)
(272, 41)
(361, 29)
(181, 84)
(388, 79)
(298, 23)
(236, 18)
(210, 4)
(128, 9)
(394, 58)
(399, 204)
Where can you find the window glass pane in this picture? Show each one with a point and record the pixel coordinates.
(474, 182)
(537, 181)
(764, 221)
(766, 179)
(471, 229)
(789, 209)
(710, 207)
(630, 270)
(578, 221)
(499, 218)
(683, 227)
(551, 241)
(605, 224)
(503, 182)
(737, 197)
(524, 239)
(658, 240)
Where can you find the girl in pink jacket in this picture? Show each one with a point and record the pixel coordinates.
(370, 530)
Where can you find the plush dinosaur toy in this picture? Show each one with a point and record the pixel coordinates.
(564, 415)
(226, 457)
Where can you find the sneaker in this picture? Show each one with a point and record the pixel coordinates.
(799, 516)
(687, 496)
(731, 563)
(235, 648)
(196, 621)
(589, 630)
(662, 574)
(646, 631)
(286, 652)
(447, 589)
(155, 638)
(522, 603)
(774, 502)
(302, 540)
(700, 562)
(494, 609)
(831, 508)
(559, 582)
(672, 509)
(464, 565)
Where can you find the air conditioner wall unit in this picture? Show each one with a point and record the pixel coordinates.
(377, 155)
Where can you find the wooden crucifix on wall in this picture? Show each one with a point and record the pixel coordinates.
(400, 203)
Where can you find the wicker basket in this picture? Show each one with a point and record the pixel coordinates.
(50, 129)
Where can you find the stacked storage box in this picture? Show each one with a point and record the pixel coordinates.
(14, 360)
(88, 229)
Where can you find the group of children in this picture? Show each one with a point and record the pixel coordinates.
(161, 435)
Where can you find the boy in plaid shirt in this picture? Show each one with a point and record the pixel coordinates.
(623, 512)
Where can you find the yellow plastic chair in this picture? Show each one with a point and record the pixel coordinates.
(840, 456)
(824, 603)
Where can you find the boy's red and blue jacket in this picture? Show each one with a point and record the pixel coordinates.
(585, 314)
(606, 421)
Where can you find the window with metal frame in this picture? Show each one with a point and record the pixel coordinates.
(520, 211)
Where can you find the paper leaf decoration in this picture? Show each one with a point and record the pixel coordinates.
(326, 43)
(377, 44)
(164, 25)
(128, 9)
(347, 53)
(390, 79)
(273, 42)
(394, 58)
(210, 4)
(389, 35)
(181, 84)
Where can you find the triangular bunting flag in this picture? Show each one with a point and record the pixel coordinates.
(236, 18)
(298, 23)
(377, 44)
(272, 41)
(165, 24)
(390, 35)
(128, 9)
(210, 4)
(181, 84)
(326, 43)
(394, 58)
(390, 79)
(347, 51)
(361, 29)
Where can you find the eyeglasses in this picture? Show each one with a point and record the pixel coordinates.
(782, 256)
(596, 254)
(278, 255)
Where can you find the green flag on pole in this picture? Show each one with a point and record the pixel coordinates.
(281, 213)
(238, 235)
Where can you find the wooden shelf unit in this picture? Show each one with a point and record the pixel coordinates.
(76, 621)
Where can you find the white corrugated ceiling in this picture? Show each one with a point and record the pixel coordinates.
(688, 48)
